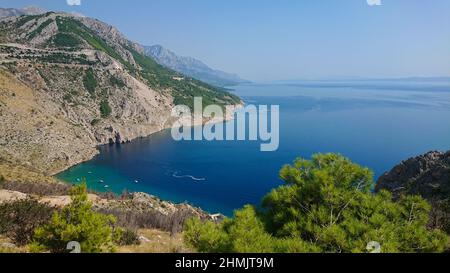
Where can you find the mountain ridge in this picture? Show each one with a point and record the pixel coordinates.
(70, 83)
(29, 10)
(191, 67)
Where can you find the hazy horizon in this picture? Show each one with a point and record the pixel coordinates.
(290, 40)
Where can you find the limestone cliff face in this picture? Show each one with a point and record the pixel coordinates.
(68, 84)
(48, 131)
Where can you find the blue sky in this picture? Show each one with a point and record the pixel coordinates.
(287, 39)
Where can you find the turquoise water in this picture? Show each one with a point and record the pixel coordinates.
(377, 124)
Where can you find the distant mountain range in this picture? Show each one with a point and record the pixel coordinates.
(191, 67)
(31, 10)
(185, 65)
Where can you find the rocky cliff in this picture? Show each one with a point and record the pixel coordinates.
(69, 83)
(426, 175)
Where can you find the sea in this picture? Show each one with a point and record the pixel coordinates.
(375, 123)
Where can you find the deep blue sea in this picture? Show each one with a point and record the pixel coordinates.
(375, 123)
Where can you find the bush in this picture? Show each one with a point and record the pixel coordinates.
(150, 219)
(114, 81)
(440, 214)
(105, 109)
(89, 81)
(127, 237)
(41, 189)
(94, 122)
(76, 222)
(326, 205)
(18, 220)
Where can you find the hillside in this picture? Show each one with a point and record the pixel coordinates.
(68, 84)
(191, 67)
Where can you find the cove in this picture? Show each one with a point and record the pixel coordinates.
(375, 123)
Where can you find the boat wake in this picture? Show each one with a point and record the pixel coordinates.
(175, 175)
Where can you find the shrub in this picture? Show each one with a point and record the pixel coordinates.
(127, 237)
(76, 222)
(41, 189)
(89, 81)
(19, 219)
(94, 122)
(68, 98)
(114, 81)
(326, 205)
(105, 109)
(150, 219)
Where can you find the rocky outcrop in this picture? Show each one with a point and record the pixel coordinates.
(140, 202)
(11, 196)
(426, 175)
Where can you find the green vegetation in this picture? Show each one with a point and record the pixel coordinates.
(89, 81)
(71, 96)
(184, 90)
(105, 109)
(114, 81)
(44, 76)
(72, 33)
(326, 205)
(58, 58)
(72, 26)
(39, 29)
(77, 222)
(27, 18)
(444, 207)
(127, 237)
(19, 219)
(66, 40)
(68, 98)
(95, 122)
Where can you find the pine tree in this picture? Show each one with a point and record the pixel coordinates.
(76, 223)
(326, 205)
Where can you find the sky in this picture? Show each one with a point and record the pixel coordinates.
(265, 40)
